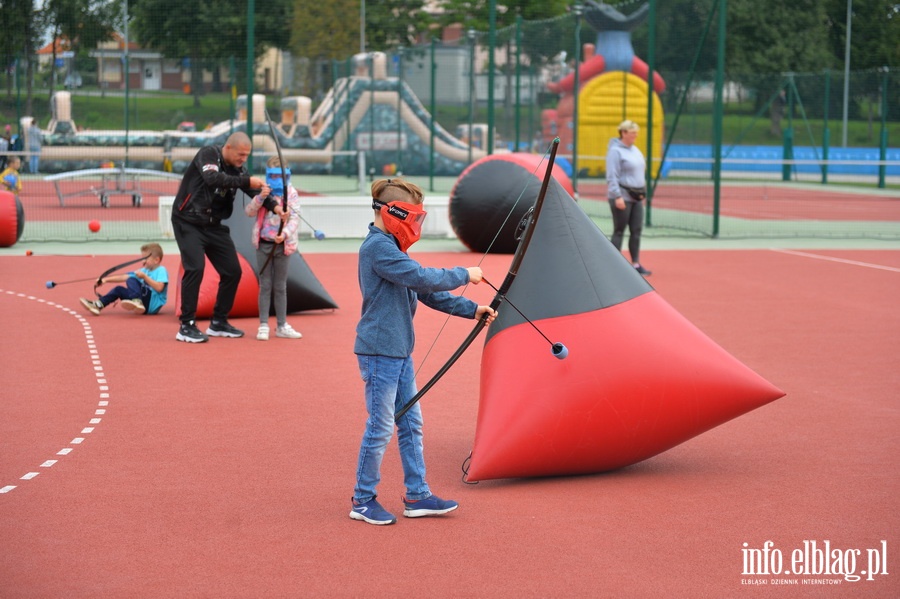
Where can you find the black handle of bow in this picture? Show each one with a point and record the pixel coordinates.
(114, 269)
(504, 287)
(284, 194)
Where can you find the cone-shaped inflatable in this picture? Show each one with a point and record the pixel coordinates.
(304, 291)
(638, 380)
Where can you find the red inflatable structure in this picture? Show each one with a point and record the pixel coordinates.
(12, 219)
(638, 380)
(246, 302)
(304, 291)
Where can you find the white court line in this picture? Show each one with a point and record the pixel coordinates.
(98, 372)
(841, 260)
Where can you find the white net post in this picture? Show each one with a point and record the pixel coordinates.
(361, 171)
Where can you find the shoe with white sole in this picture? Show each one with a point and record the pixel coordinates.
(189, 333)
(430, 506)
(263, 333)
(222, 328)
(372, 512)
(133, 305)
(287, 332)
(93, 307)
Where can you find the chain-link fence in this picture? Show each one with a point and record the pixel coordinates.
(731, 154)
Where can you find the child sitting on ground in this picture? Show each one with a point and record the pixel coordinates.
(9, 178)
(145, 290)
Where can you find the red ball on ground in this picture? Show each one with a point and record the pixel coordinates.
(28, 252)
(94, 226)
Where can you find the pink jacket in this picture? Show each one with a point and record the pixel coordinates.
(264, 217)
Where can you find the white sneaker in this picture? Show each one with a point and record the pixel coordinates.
(263, 333)
(287, 332)
(134, 305)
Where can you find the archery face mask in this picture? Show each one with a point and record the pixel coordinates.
(402, 220)
(275, 181)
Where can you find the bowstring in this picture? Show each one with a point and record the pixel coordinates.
(483, 256)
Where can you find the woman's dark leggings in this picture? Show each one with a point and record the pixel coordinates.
(633, 218)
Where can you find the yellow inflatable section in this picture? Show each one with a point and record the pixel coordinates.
(604, 102)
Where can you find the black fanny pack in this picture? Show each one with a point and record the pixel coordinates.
(638, 195)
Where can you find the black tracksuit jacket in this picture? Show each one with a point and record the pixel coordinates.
(207, 191)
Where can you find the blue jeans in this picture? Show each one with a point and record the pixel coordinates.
(133, 289)
(390, 383)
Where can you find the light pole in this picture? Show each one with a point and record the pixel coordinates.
(847, 70)
(251, 67)
(362, 26)
(578, 9)
(399, 110)
(471, 35)
(492, 42)
(127, 69)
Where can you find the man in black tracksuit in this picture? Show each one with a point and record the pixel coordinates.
(206, 198)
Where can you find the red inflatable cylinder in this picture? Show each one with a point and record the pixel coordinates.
(12, 219)
(246, 302)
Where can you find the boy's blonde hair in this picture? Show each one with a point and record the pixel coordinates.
(14, 162)
(152, 249)
(397, 190)
(273, 162)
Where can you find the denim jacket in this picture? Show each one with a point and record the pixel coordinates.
(392, 283)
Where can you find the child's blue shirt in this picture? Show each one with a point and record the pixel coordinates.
(157, 298)
(391, 284)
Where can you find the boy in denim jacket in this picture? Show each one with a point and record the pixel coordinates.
(392, 285)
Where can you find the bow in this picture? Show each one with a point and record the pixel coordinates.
(284, 194)
(528, 227)
(113, 269)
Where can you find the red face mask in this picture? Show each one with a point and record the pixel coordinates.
(402, 220)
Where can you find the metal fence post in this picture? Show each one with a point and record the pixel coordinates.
(882, 150)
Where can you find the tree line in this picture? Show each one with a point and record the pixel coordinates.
(763, 36)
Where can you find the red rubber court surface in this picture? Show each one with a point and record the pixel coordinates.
(136, 466)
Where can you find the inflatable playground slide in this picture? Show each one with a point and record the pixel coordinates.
(376, 115)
